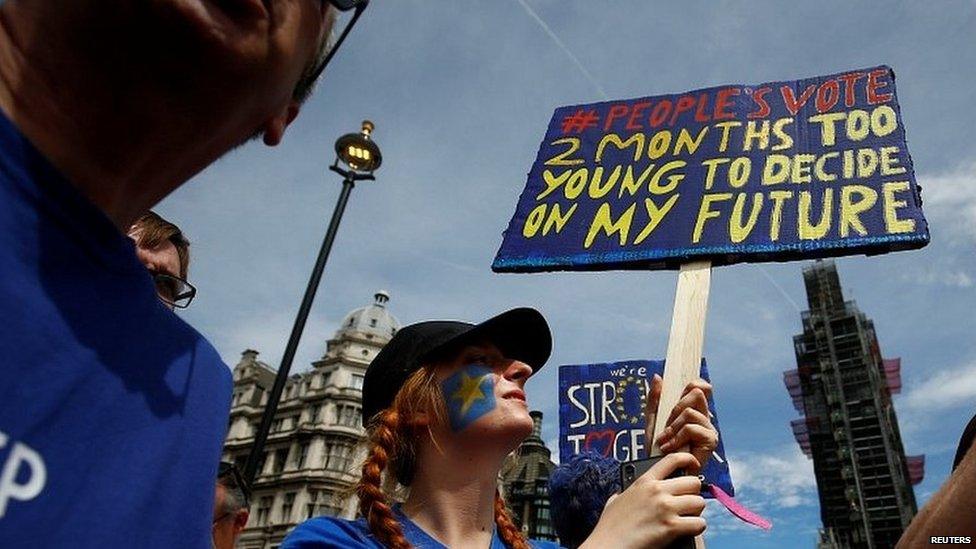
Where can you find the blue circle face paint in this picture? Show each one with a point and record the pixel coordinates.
(469, 393)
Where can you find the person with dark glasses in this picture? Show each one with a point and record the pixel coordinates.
(231, 503)
(106, 108)
(165, 252)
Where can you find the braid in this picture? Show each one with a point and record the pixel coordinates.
(507, 531)
(373, 503)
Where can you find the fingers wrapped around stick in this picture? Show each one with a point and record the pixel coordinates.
(689, 424)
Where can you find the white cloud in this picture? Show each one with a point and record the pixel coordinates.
(781, 479)
(775, 485)
(946, 389)
(949, 199)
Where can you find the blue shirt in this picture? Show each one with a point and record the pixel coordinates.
(322, 532)
(112, 409)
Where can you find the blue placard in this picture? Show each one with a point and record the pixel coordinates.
(769, 172)
(601, 410)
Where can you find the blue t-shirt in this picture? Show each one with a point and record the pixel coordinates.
(322, 532)
(112, 409)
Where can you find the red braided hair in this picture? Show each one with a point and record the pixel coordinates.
(507, 531)
(372, 499)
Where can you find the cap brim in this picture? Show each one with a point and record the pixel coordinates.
(521, 334)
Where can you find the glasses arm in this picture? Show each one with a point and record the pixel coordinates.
(335, 47)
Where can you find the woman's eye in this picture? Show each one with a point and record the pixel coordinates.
(478, 359)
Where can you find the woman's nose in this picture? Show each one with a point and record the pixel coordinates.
(517, 370)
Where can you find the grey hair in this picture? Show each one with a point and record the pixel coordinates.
(306, 84)
(234, 499)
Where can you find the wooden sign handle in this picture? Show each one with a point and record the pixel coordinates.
(683, 361)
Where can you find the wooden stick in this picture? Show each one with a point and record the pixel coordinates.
(683, 363)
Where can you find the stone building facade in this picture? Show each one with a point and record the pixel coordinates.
(308, 466)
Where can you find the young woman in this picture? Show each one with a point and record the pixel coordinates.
(444, 405)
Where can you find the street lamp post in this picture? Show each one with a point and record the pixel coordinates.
(362, 157)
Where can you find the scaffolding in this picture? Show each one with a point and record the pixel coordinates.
(842, 387)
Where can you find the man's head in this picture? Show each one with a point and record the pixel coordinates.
(230, 507)
(165, 252)
(216, 73)
(161, 245)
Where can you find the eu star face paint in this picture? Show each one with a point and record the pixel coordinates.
(469, 394)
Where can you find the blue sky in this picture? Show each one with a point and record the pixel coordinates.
(461, 94)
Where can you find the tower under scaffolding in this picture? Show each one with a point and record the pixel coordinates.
(842, 387)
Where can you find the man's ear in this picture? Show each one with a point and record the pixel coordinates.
(240, 520)
(274, 128)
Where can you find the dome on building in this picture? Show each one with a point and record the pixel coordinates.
(373, 320)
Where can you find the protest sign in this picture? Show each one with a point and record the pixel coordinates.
(601, 410)
(777, 171)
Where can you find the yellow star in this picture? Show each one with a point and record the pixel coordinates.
(469, 391)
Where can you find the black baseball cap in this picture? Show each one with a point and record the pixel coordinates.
(521, 334)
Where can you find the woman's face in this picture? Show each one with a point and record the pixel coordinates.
(484, 394)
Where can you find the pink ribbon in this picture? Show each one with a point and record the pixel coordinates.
(738, 509)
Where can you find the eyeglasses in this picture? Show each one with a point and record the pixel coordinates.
(341, 5)
(229, 472)
(173, 290)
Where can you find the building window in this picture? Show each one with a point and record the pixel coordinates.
(302, 454)
(372, 323)
(278, 425)
(264, 507)
(313, 415)
(279, 460)
(310, 507)
(286, 506)
(347, 415)
(330, 506)
(322, 503)
(543, 524)
(357, 382)
(338, 456)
